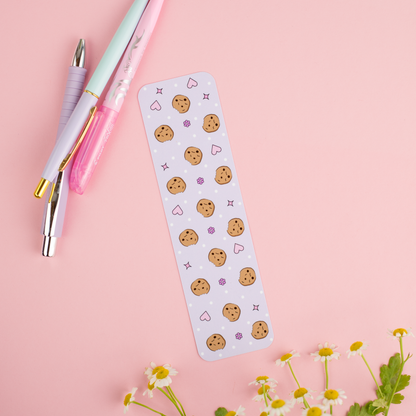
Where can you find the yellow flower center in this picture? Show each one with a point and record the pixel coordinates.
(325, 352)
(400, 331)
(150, 386)
(156, 370)
(163, 373)
(331, 395)
(300, 392)
(263, 414)
(262, 378)
(276, 404)
(232, 413)
(127, 399)
(285, 357)
(356, 346)
(266, 389)
(314, 411)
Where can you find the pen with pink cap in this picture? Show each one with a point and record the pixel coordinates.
(105, 119)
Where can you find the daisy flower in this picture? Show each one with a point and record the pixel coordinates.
(326, 352)
(298, 395)
(260, 395)
(240, 411)
(278, 407)
(149, 390)
(153, 369)
(129, 398)
(259, 381)
(263, 413)
(332, 397)
(357, 348)
(401, 332)
(317, 410)
(160, 375)
(287, 357)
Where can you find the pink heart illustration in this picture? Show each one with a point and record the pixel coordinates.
(177, 210)
(192, 83)
(156, 106)
(215, 149)
(238, 248)
(205, 317)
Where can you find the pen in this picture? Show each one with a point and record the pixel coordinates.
(55, 206)
(90, 151)
(83, 114)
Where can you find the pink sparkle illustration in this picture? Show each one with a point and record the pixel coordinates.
(256, 307)
(159, 90)
(230, 204)
(206, 97)
(165, 166)
(187, 265)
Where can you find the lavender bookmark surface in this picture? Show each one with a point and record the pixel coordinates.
(206, 217)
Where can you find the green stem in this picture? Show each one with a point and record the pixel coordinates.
(398, 378)
(170, 398)
(375, 381)
(173, 394)
(293, 374)
(297, 382)
(264, 395)
(326, 375)
(153, 410)
(269, 397)
(330, 409)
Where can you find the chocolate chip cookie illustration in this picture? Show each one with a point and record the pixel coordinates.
(200, 287)
(211, 123)
(260, 330)
(223, 175)
(181, 103)
(247, 276)
(188, 237)
(193, 155)
(216, 342)
(176, 185)
(217, 257)
(205, 207)
(164, 133)
(231, 311)
(235, 227)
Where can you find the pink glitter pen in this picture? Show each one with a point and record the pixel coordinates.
(105, 119)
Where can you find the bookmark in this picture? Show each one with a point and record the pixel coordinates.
(206, 217)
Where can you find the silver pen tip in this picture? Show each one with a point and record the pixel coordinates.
(49, 246)
(79, 55)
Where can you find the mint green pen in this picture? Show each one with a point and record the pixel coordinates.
(81, 119)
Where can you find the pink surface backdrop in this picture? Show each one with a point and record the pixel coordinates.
(319, 103)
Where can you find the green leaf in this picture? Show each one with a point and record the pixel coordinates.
(390, 372)
(371, 410)
(221, 411)
(379, 404)
(397, 398)
(356, 410)
(403, 383)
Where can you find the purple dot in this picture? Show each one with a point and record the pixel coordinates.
(200, 181)
(239, 335)
(211, 230)
(186, 123)
(222, 282)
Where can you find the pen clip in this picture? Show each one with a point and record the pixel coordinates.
(80, 138)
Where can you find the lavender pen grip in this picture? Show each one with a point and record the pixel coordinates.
(55, 206)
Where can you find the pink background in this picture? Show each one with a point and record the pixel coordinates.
(319, 102)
